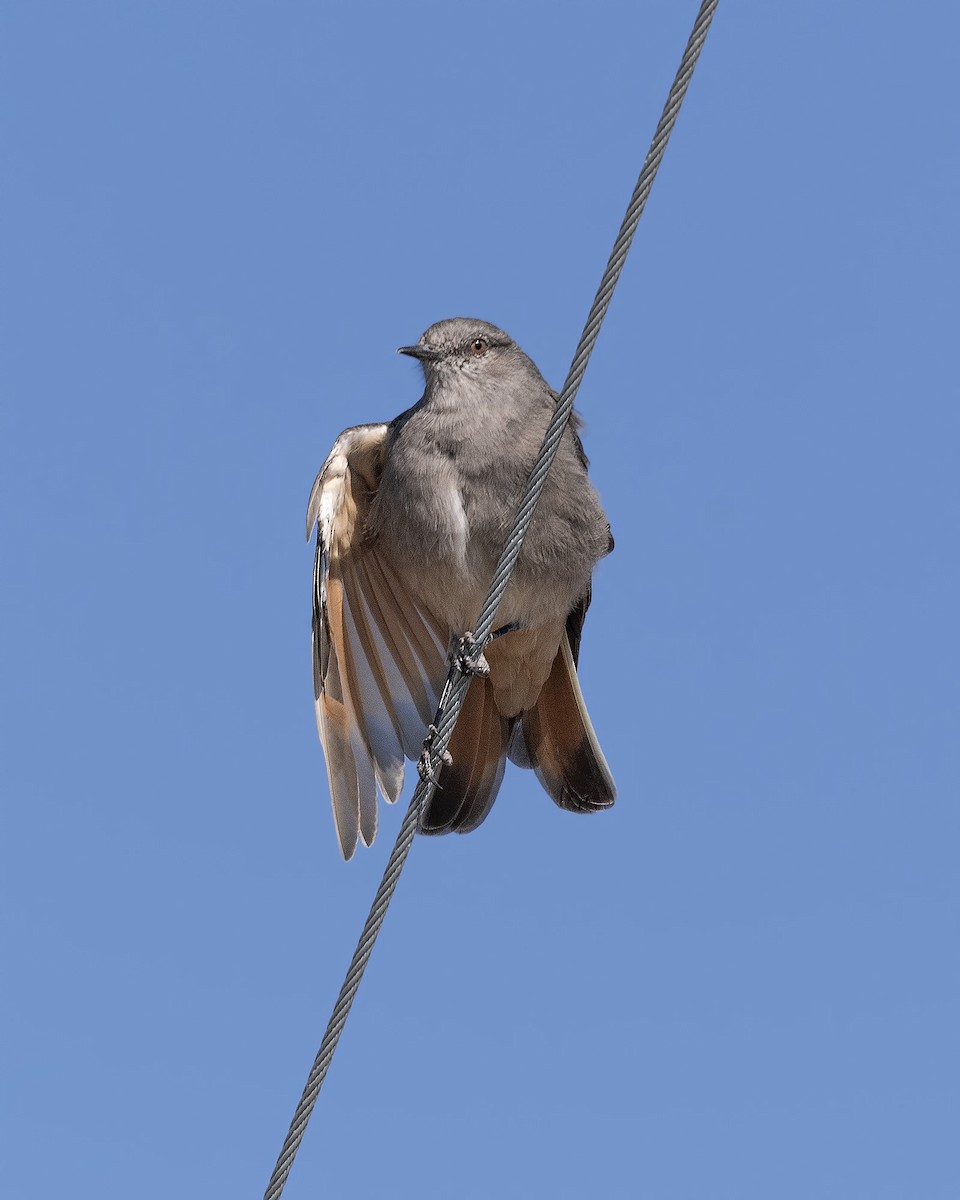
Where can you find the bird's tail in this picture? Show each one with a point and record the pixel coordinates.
(469, 783)
(555, 737)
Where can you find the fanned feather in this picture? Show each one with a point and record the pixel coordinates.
(378, 658)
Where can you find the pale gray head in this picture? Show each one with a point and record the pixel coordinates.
(467, 350)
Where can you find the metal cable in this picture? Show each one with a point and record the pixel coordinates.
(455, 689)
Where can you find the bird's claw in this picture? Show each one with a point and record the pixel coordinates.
(468, 659)
(425, 761)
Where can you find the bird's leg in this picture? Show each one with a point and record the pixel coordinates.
(469, 662)
(425, 761)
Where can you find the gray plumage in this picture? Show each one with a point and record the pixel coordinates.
(412, 517)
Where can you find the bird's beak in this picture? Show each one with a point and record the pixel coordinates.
(424, 353)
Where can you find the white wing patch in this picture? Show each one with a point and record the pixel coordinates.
(456, 516)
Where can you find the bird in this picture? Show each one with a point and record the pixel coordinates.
(411, 517)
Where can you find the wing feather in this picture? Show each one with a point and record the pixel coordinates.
(373, 706)
(379, 656)
(419, 661)
(333, 725)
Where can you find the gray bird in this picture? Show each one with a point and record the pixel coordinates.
(412, 517)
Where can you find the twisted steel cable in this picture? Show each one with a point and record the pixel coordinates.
(458, 680)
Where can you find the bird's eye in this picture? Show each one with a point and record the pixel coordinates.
(479, 347)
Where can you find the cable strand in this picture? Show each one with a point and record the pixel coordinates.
(455, 689)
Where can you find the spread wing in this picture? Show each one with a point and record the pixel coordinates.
(379, 657)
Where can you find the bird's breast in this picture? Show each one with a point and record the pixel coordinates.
(421, 509)
(446, 504)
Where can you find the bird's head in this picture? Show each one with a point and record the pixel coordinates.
(467, 349)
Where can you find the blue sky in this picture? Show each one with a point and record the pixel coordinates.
(219, 222)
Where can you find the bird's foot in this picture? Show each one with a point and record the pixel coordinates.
(469, 658)
(425, 761)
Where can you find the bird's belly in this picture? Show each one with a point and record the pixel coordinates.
(453, 587)
(444, 535)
